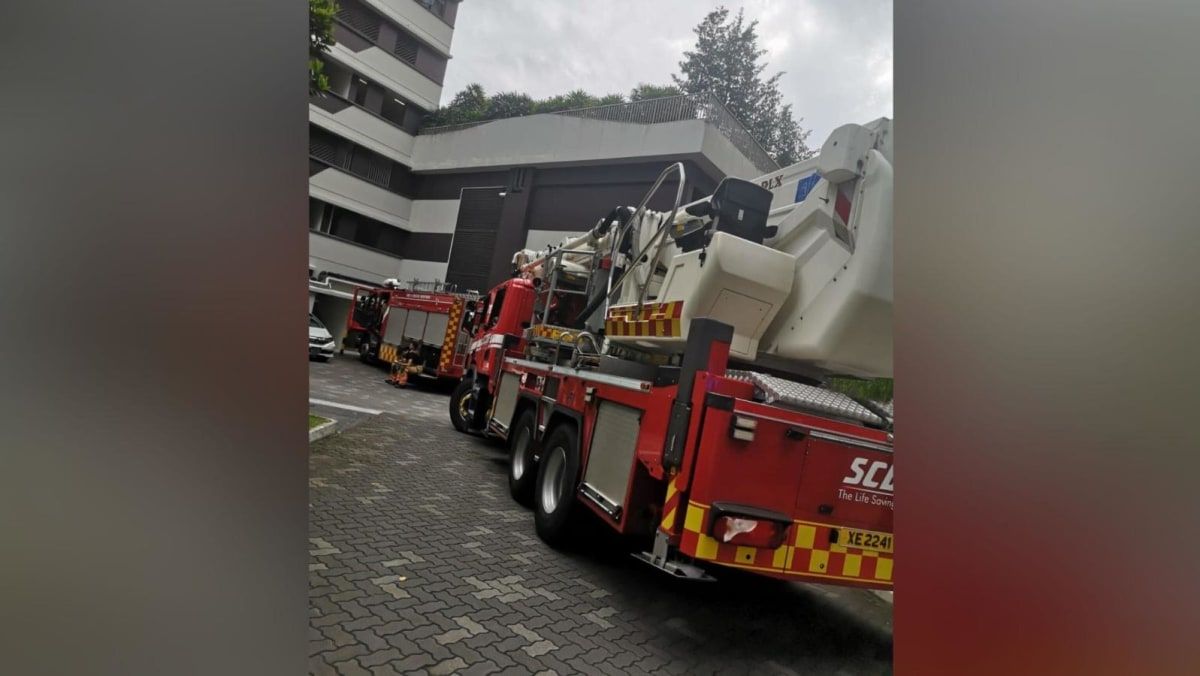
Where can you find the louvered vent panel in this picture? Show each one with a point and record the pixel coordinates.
(474, 238)
(322, 145)
(406, 47)
(359, 18)
(372, 166)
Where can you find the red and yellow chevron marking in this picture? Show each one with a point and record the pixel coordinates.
(806, 552)
(446, 358)
(387, 353)
(553, 333)
(659, 320)
(671, 506)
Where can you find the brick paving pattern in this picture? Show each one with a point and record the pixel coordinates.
(421, 563)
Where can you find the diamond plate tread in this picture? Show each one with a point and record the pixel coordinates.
(775, 390)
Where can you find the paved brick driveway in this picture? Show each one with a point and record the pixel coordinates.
(420, 562)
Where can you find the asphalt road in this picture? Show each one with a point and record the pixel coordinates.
(421, 563)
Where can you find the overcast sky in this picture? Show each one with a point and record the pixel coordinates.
(836, 54)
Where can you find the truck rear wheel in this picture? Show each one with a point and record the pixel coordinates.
(554, 504)
(522, 464)
(461, 406)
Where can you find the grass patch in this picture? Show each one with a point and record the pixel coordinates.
(315, 420)
(877, 389)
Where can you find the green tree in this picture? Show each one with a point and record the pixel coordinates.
(320, 39)
(645, 91)
(725, 62)
(508, 104)
(551, 104)
(610, 99)
(469, 105)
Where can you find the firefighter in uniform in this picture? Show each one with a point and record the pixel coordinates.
(407, 361)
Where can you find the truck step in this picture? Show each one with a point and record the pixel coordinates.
(684, 571)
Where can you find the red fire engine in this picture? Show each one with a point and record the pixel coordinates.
(663, 372)
(424, 319)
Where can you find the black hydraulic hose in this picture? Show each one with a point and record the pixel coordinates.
(618, 217)
(592, 306)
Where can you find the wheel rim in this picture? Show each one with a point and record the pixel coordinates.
(520, 446)
(464, 406)
(552, 488)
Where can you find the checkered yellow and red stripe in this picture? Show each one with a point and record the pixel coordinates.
(446, 357)
(553, 333)
(387, 353)
(660, 320)
(806, 552)
(671, 506)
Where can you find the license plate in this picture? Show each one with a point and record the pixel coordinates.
(865, 539)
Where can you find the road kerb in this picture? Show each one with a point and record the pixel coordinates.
(323, 430)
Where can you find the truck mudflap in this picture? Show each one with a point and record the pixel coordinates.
(786, 494)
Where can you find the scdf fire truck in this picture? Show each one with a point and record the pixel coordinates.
(664, 372)
(425, 319)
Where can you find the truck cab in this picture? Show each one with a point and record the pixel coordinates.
(497, 327)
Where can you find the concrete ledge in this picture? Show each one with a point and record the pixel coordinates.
(323, 430)
(885, 595)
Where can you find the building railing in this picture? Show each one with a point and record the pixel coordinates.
(656, 111)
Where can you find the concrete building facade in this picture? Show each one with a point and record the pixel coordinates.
(385, 75)
(388, 199)
(487, 190)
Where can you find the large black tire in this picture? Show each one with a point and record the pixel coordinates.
(461, 406)
(522, 457)
(555, 508)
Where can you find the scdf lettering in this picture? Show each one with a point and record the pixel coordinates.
(866, 476)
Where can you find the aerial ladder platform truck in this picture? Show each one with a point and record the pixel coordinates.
(665, 371)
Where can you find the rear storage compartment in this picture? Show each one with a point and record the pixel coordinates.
(790, 494)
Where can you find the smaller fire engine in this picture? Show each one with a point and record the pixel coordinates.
(423, 321)
(664, 372)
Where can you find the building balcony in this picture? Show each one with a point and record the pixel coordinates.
(339, 187)
(387, 51)
(382, 67)
(343, 259)
(424, 23)
(342, 117)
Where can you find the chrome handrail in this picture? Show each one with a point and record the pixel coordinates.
(620, 235)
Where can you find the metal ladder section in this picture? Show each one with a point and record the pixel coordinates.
(555, 269)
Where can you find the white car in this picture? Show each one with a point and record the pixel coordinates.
(320, 341)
